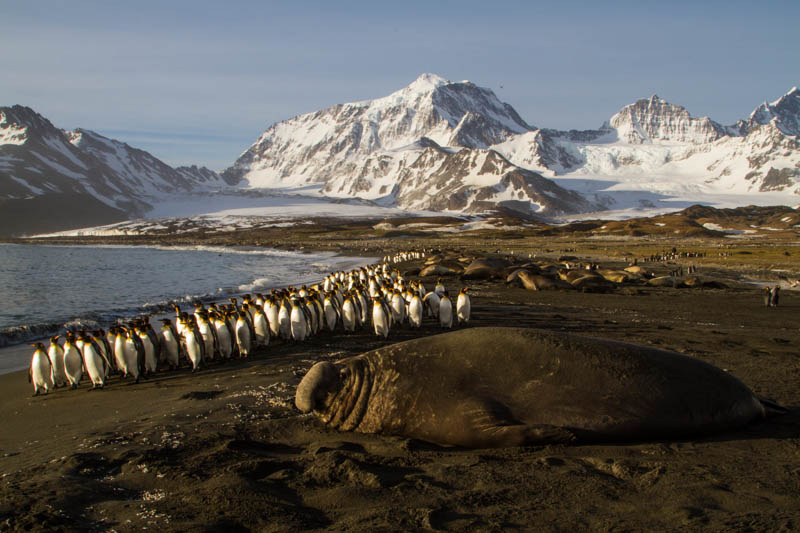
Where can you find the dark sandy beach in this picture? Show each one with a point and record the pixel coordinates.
(226, 450)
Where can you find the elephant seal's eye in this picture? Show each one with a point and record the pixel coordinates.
(344, 373)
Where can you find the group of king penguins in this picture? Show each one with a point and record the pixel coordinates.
(375, 294)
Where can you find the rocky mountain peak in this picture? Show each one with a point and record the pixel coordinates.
(20, 123)
(785, 111)
(654, 119)
(427, 82)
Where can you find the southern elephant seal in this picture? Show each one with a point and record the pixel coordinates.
(485, 268)
(495, 387)
(537, 282)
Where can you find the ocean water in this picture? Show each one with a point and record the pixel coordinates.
(46, 289)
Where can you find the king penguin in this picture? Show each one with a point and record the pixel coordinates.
(439, 288)
(94, 363)
(194, 345)
(134, 355)
(463, 306)
(380, 320)
(445, 311)
(415, 311)
(150, 359)
(271, 312)
(349, 314)
(170, 347)
(299, 321)
(73, 361)
(260, 327)
(56, 355)
(40, 373)
(398, 307)
(329, 311)
(119, 350)
(242, 330)
(224, 335)
(432, 301)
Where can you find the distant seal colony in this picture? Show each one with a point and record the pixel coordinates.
(497, 387)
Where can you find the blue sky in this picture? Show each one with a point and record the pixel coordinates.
(197, 82)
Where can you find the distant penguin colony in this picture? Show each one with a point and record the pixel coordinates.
(375, 297)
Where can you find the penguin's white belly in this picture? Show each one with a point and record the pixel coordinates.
(415, 312)
(150, 362)
(56, 356)
(131, 359)
(445, 313)
(73, 366)
(94, 365)
(119, 355)
(463, 309)
(299, 326)
(40, 372)
(261, 329)
(170, 349)
(349, 316)
(274, 321)
(193, 349)
(330, 316)
(224, 341)
(380, 321)
(243, 338)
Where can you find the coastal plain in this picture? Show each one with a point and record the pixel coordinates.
(225, 448)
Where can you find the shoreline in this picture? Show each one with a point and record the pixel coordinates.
(15, 355)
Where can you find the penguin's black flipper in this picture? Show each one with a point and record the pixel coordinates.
(101, 353)
(112, 363)
(179, 340)
(183, 353)
(214, 336)
(231, 332)
(140, 363)
(199, 339)
(249, 320)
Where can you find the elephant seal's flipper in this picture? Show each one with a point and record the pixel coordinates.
(529, 435)
(486, 423)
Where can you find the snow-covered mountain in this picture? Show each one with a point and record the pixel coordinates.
(656, 119)
(315, 147)
(657, 147)
(424, 147)
(785, 112)
(435, 145)
(51, 178)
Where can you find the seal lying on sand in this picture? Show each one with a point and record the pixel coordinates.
(495, 387)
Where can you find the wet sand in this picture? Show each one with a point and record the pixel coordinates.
(225, 449)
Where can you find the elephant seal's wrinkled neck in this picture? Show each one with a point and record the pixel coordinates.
(344, 407)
